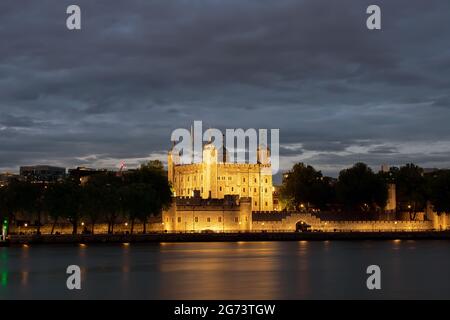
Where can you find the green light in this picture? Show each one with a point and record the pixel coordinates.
(4, 278)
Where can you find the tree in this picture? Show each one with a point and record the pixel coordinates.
(440, 191)
(138, 202)
(411, 188)
(149, 187)
(304, 186)
(31, 200)
(8, 204)
(101, 199)
(360, 189)
(63, 200)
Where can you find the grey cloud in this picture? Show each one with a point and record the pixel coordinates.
(139, 69)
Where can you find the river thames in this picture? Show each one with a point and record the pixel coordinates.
(229, 270)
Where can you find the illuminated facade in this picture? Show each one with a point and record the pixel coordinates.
(214, 179)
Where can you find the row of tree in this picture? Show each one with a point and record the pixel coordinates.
(359, 189)
(136, 195)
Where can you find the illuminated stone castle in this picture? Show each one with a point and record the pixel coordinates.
(215, 177)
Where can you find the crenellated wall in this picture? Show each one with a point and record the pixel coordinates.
(208, 215)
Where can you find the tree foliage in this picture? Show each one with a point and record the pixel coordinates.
(440, 191)
(304, 186)
(360, 189)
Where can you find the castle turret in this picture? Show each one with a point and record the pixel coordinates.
(170, 170)
(263, 155)
(210, 159)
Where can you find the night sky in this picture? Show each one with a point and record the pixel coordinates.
(115, 90)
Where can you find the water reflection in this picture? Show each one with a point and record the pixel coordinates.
(241, 270)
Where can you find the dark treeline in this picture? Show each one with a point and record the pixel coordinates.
(359, 189)
(136, 195)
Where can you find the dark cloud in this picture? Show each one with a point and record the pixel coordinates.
(139, 69)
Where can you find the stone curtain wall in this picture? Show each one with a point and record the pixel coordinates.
(288, 224)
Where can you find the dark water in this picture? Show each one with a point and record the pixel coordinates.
(247, 270)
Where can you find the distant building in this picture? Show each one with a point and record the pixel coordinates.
(5, 178)
(82, 173)
(42, 174)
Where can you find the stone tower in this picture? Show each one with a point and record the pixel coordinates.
(210, 159)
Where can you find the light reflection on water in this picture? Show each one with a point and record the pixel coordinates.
(240, 270)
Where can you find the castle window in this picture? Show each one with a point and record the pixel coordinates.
(243, 179)
(220, 219)
(232, 189)
(266, 180)
(220, 188)
(218, 178)
(229, 178)
(254, 190)
(196, 219)
(266, 203)
(255, 180)
(246, 218)
(167, 219)
(265, 190)
(208, 219)
(188, 179)
(202, 189)
(236, 219)
(243, 189)
(179, 219)
(256, 203)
